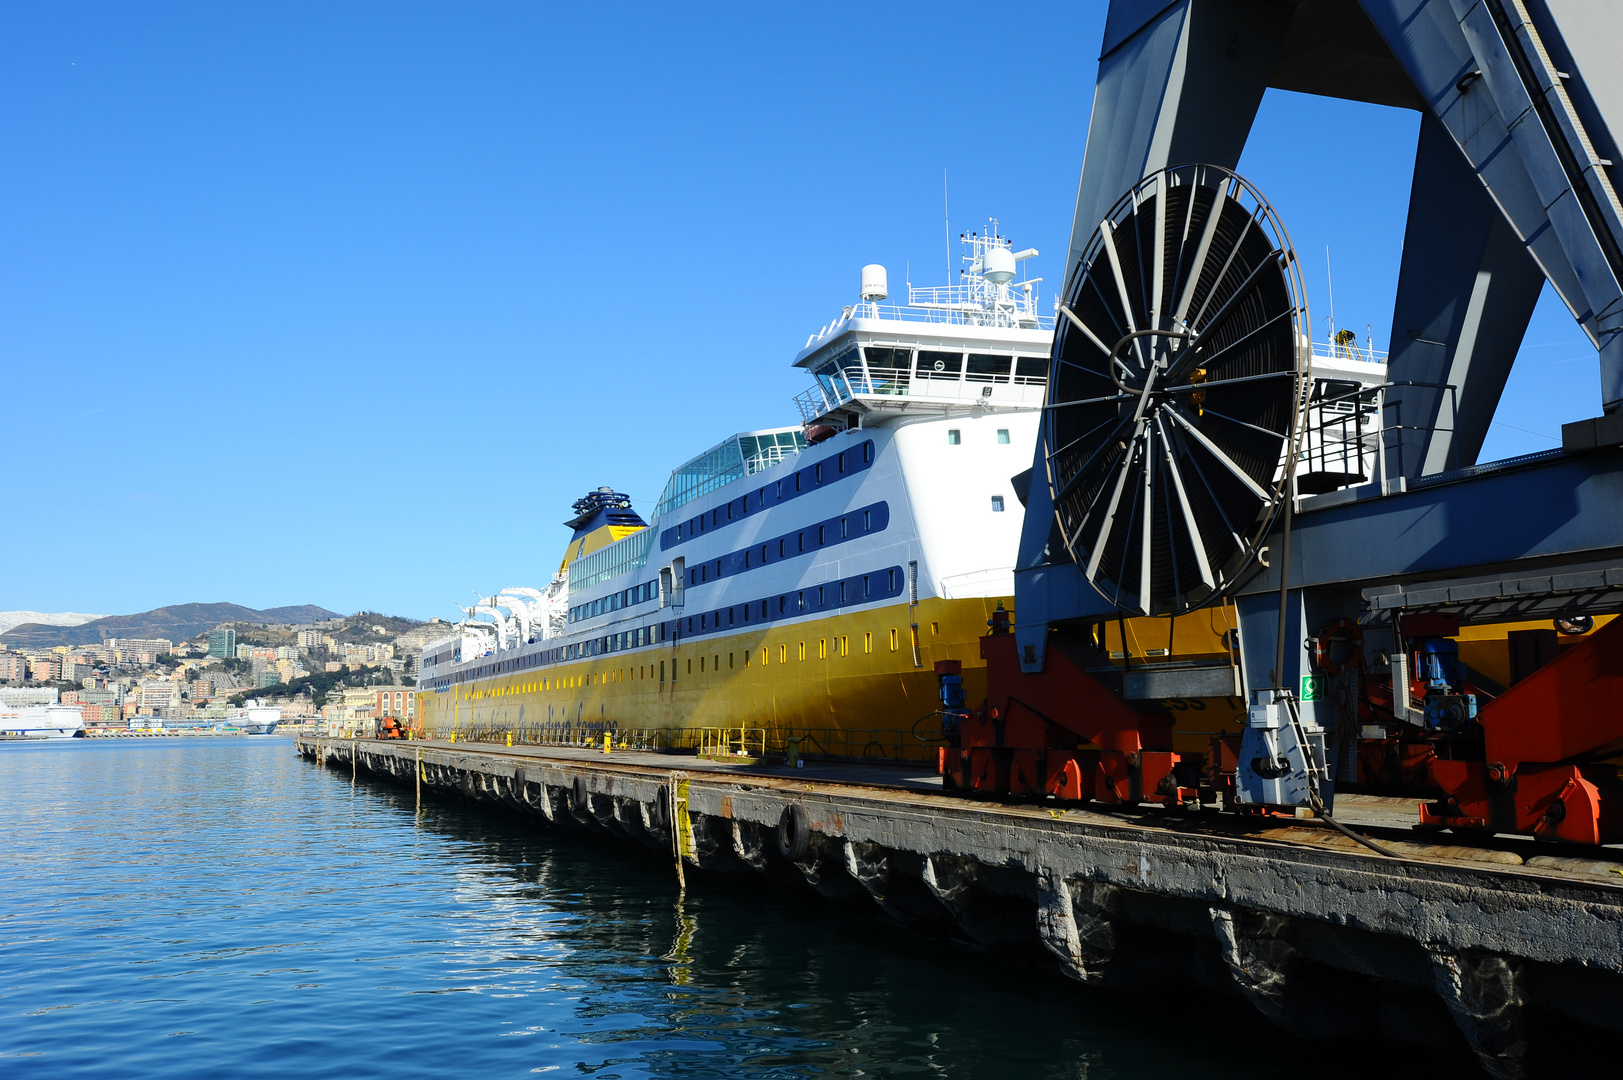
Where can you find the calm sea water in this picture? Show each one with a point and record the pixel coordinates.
(202, 907)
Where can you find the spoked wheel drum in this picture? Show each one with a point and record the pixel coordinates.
(1177, 390)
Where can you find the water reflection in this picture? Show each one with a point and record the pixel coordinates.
(198, 908)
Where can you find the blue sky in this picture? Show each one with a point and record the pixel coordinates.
(345, 304)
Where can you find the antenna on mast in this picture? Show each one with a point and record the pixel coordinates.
(1330, 281)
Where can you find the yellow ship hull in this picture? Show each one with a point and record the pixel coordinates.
(847, 672)
(844, 674)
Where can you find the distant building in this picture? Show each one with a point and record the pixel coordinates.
(309, 639)
(45, 667)
(159, 694)
(156, 646)
(357, 696)
(13, 666)
(297, 708)
(103, 716)
(76, 667)
(267, 677)
(15, 696)
(223, 642)
(111, 696)
(397, 701)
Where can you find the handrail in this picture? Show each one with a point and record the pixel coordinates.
(896, 745)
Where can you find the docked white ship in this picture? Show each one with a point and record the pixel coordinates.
(42, 721)
(255, 718)
(807, 576)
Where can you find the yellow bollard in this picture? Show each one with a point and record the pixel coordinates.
(608, 742)
(509, 738)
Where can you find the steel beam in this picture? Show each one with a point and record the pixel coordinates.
(1466, 290)
(1560, 510)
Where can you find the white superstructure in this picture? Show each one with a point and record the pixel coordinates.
(894, 494)
(256, 718)
(42, 721)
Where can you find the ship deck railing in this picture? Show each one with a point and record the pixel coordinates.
(914, 745)
(952, 308)
(828, 394)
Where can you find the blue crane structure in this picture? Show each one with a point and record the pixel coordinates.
(1513, 186)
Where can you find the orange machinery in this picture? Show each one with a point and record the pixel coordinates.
(1532, 761)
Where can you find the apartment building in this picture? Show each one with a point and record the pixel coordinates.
(223, 642)
(397, 701)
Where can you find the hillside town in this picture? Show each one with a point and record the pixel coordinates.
(339, 675)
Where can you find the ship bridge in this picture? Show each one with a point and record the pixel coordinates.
(978, 344)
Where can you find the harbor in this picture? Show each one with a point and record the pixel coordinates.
(983, 612)
(1443, 945)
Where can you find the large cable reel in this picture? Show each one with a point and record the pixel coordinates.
(1177, 390)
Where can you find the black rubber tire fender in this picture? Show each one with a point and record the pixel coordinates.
(580, 796)
(794, 832)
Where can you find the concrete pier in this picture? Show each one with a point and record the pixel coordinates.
(1509, 956)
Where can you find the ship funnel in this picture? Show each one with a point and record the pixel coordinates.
(875, 284)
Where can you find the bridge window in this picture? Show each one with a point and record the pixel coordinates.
(987, 368)
(940, 365)
(1031, 369)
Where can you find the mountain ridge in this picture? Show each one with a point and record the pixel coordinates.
(8, 619)
(176, 622)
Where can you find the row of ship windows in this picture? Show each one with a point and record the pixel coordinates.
(835, 530)
(848, 461)
(936, 364)
(836, 646)
(857, 589)
(637, 594)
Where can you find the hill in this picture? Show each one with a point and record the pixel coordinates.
(8, 619)
(176, 623)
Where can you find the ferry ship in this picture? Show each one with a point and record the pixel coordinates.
(49, 721)
(809, 578)
(255, 718)
(797, 577)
